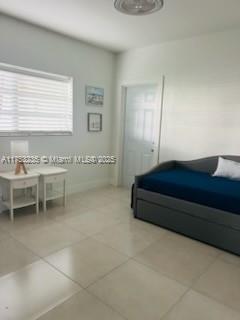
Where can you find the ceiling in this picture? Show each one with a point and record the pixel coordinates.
(97, 22)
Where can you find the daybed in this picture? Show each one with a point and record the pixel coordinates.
(184, 197)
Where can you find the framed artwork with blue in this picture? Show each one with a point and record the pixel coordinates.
(94, 96)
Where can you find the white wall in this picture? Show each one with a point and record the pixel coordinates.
(201, 102)
(201, 113)
(28, 46)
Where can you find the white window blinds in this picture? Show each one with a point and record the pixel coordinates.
(33, 102)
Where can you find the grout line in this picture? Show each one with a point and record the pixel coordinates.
(10, 235)
(64, 247)
(167, 275)
(75, 294)
(217, 301)
(61, 302)
(205, 271)
(106, 304)
(175, 304)
(53, 220)
(43, 258)
(130, 258)
(64, 274)
(40, 258)
(190, 288)
(162, 274)
(208, 295)
(110, 247)
(93, 234)
(107, 274)
(228, 262)
(86, 289)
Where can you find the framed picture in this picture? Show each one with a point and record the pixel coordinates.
(94, 96)
(94, 122)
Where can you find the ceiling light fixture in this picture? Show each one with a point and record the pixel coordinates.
(138, 7)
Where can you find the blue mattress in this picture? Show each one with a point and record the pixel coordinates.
(195, 186)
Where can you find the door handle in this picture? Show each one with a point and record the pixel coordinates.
(152, 150)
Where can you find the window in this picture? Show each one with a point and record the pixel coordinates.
(33, 102)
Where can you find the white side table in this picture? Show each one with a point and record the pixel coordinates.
(17, 182)
(51, 175)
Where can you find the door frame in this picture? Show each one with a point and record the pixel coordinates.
(124, 87)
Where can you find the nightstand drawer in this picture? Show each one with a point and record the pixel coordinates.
(54, 178)
(24, 183)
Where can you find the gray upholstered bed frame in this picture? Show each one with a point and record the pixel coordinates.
(209, 225)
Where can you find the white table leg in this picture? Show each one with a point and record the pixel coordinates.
(37, 198)
(44, 195)
(11, 203)
(64, 192)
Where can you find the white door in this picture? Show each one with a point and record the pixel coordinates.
(142, 126)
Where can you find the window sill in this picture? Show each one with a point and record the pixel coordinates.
(35, 133)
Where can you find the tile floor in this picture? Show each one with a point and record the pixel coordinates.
(93, 261)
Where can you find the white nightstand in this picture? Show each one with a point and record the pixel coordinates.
(51, 175)
(17, 182)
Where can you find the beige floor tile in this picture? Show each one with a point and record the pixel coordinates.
(32, 291)
(222, 283)
(111, 192)
(3, 235)
(195, 306)
(115, 206)
(130, 238)
(178, 257)
(93, 202)
(25, 219)
(119, 193)
(84, 200)
(98, 197)
(82, 306)
(46, 240)
(91, 222)
(117, 210)
(137, 292)
(56, 212)
(86, 261)
(80, 203)
(230, 258)
(74, 200)
(13, 256)
(61, 216)
(91, 199)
